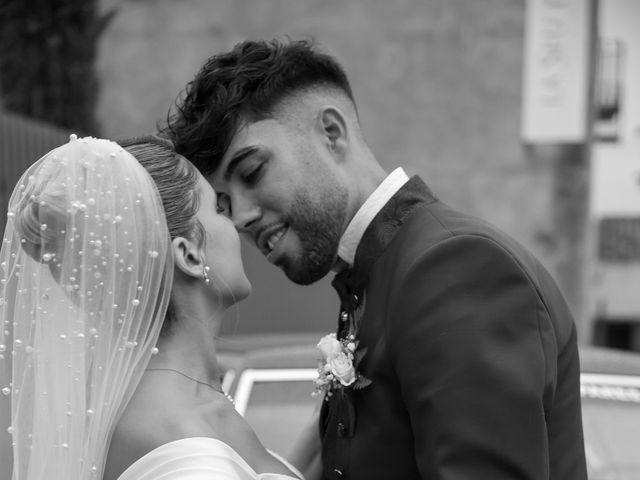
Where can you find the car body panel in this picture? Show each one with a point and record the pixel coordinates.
(272, 382)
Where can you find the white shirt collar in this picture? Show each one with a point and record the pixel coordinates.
(363, 217)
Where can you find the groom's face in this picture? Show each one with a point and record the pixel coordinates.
(281, 190)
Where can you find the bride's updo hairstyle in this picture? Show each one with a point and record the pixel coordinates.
(176, 180)
(41, 215)
(59, 204)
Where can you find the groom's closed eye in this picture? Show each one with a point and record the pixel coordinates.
(251, 171)
(237, 159)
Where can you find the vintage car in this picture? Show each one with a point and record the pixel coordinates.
(610, 388)
(271, 379)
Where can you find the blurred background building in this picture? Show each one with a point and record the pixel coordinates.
(615, 186)
(439, 86)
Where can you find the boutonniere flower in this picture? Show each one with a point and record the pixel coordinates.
(337, 368)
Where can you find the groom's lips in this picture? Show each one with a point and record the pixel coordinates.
(269, 238)
(278, 249)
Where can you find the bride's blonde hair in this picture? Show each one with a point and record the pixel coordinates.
(176, 180)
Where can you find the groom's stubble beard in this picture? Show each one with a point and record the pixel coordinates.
(319, 226)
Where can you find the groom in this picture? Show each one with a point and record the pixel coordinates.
(466, 349)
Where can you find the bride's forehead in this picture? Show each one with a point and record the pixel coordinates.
(205, 189)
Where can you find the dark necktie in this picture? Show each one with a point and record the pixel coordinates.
(350, 294)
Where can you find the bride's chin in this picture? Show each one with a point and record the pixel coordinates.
(236, 293)
(245, 290)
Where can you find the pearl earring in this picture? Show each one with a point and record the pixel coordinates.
(205, 274)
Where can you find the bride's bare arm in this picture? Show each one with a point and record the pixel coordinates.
(305, 453)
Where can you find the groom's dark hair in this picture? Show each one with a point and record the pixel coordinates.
(246, 84)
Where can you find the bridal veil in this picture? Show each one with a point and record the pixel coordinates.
(85, 279)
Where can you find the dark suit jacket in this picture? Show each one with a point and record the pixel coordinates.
(471, 350)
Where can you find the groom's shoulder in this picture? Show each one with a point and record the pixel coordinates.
(436, 225)
(435, 222)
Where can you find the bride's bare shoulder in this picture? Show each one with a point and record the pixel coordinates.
(152, 418)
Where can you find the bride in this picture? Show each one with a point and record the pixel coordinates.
(113, 282)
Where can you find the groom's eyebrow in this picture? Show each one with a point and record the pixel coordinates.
(237, 158)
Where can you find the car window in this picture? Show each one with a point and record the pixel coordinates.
(277, 403)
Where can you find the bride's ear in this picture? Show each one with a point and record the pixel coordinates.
(187, 257)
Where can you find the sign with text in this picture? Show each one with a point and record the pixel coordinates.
(556, 70)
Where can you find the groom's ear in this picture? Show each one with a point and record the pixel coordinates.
(333, 126)
(187, 257)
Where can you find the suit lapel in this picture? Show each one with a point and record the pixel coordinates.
(379, 234)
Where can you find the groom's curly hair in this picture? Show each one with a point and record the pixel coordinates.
(246, 84)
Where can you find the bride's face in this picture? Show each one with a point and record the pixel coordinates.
(221, 248)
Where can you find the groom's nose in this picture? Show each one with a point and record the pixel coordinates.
(244, 214)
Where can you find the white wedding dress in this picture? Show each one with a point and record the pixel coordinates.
(197, 458)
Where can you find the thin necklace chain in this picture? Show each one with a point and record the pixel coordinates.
(217, 389)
